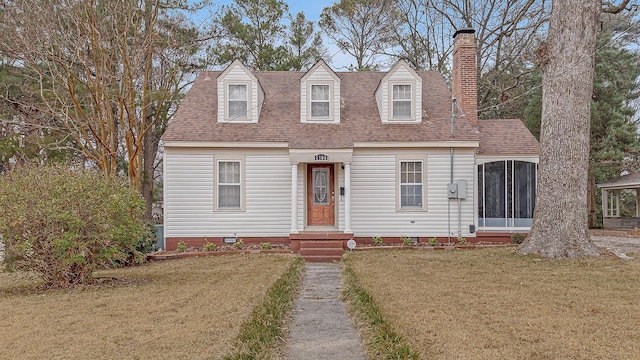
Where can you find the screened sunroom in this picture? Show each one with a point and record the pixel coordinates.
(506, 195)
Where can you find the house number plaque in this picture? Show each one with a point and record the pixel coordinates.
(321, 157)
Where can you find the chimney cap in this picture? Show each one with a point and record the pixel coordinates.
(464, 31)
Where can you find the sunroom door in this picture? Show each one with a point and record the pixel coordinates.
(320, 195)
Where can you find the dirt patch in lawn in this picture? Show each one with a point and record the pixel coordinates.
(627, 241)
(494, 304)
(181, 309)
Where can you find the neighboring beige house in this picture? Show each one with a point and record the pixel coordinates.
(284, 156)
(611, 190)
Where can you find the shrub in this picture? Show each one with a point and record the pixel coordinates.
(406, 240)
(433, 241)
(517, 238)
(266, 246)
(181, 246)
(239, 244)
(377, 240)
(210, 246)
(64, 224)
(462, 240)
(142, 245)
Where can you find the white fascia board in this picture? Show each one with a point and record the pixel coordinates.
(223, 144)
(418, 144)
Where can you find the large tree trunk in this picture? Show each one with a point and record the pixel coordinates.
(149, 153)
(560, 221)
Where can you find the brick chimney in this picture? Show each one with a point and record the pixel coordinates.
(465, 75)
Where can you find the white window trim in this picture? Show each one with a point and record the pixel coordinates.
(318, 119)
(410, 158)
(412, 117)
(248, 116)
(216, 177)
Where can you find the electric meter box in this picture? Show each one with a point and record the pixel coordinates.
(457, 190)
(452, 190)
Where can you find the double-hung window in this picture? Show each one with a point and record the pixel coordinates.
(320, 103)
(229, 185)
(401, 101)
(411, 185)
(238, 100)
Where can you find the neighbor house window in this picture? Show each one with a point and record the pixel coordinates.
(237, 100)
(320, 102)
(411, 187)
(401, 101)
(229, 185)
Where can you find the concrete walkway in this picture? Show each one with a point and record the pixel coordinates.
(321, 328)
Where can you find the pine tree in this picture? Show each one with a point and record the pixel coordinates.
(253, 32)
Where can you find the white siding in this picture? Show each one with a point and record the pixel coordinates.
(380, 96)
(189, 195)
(190, 203)
(374, 195)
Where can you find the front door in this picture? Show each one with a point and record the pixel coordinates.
(320, 195)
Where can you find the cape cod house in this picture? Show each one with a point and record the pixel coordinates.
(288, 156)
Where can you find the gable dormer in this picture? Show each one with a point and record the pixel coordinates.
(399, 95)
(320, 95)
(240, 95)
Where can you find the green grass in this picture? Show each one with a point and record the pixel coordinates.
(383, 341)
(263, 334)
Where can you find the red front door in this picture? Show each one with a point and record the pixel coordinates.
(320, 195)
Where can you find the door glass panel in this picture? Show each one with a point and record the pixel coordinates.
(320, 186)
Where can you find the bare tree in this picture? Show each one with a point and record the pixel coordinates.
(507, 32)
(361, 28)
(422, 35)
(567, 58)
(108, 72)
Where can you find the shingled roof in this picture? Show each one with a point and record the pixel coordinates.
(279, 119)
(628, 181)
(505, 137)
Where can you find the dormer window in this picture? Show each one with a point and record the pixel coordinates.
(237, 101)
(399, 95)
(240, 95)
(320, 95)
(401, 101)
(320, 101)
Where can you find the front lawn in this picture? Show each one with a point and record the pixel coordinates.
(181, 309)
(494, 304)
